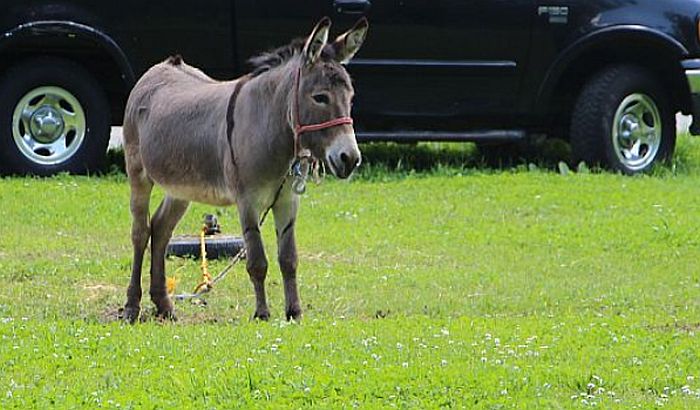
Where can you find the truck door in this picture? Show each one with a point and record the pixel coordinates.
(452, 59)
(150, 32)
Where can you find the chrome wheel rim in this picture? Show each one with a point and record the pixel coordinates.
(48, 125)
(637, 131)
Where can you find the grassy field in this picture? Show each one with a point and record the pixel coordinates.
(423, 287)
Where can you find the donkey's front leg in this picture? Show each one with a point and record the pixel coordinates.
(256, 261)
(285, 212)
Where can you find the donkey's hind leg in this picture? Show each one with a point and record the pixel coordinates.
(141, 188)
(163, 222)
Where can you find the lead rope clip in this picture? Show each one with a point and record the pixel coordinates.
(300, 172)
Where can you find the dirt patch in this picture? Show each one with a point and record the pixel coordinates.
(116, 314)
(324, 257)
(678, 327)
(112, 314)
(95, 291)
(184, 316)
(687, 327)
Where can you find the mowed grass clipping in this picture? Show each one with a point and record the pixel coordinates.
(468, 288)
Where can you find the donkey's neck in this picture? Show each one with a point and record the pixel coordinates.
(277, 91)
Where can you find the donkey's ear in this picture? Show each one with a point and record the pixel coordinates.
(316, 41)
(347, 44)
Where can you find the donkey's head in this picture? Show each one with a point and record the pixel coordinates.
(324, 94)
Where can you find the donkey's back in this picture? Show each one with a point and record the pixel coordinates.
(175, 132)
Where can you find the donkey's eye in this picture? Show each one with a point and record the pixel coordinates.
(321, 98)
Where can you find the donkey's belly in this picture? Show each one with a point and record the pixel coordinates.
(188, 166)
(204, 194)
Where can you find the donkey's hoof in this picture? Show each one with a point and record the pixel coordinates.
(263, 315)
(168, 315)
(164, 308)
(130, 314)
(293, 312)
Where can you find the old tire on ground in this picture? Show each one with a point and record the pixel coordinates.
(218, 246)
(623, 121)
(54, 117)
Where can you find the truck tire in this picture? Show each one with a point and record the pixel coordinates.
(54, 117)
(623, 121)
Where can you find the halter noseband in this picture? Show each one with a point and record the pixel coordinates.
(300, 128)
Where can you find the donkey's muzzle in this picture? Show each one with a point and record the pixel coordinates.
(344, 163)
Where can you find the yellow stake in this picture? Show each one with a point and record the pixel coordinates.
(171, 284)
(206, 276)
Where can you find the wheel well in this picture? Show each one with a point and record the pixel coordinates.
(91, 56)
(580, 70)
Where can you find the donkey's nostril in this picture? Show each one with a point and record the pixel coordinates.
(346, 163)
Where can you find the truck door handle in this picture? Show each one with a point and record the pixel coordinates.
(351, 6)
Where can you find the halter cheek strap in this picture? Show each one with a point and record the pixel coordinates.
(300, 128)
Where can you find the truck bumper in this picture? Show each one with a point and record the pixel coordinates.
(692, 74)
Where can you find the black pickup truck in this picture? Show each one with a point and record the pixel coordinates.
(609, 75)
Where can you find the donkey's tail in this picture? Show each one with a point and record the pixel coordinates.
(131, 145)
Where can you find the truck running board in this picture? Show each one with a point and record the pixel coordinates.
(415, 136)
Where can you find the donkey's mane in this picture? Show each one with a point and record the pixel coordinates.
(276, 57)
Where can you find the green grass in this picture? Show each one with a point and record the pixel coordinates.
(423, 285)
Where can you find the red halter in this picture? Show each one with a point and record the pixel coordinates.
(299, 128)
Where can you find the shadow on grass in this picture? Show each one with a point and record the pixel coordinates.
(115, 161)
(686, 158)
(380, 160)
(393, 160)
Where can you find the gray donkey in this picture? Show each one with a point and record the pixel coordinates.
(235, 142)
